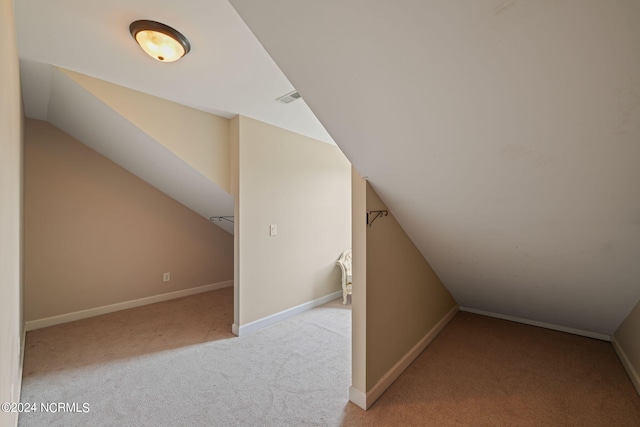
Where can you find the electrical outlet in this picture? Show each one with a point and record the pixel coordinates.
(166, 277)
(273, 230)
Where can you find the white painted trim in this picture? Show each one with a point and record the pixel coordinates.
(274, 318)
(588, 334)
(83, 314)
(234, 329)
(358, 397)
(396, 370)
(18, 387)
(628, 366)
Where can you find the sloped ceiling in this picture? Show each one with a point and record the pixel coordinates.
(74, 110)
(503, 135)
(226, 73)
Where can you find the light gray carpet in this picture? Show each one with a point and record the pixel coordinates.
(294, 373)
(177, 364)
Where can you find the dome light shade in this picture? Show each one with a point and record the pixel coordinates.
(160, 41)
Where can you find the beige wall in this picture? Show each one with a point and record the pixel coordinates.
(200, 139)
(10, 216)
(96, 234)
(628, 339)
(405, 298)
(304, 187)
(359, 269)
(234, 176)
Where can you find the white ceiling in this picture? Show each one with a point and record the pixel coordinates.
(226, 73)
(503, 135)
(74, 110)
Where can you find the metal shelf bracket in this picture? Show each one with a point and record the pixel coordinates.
(222, 218)
(376, 214)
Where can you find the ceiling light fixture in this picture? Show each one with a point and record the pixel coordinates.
(160, 41)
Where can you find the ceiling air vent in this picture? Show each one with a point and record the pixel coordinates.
(289, 98)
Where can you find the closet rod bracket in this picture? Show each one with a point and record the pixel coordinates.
(222, 218)
(377, 215)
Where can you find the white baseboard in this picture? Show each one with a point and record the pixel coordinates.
(241, 330)
(366, 400)
(588, 334)
(358, 397)
(628, 366)
(83, 314)
(16, 392)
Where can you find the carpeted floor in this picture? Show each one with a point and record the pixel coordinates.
(482, 371)
(177, 364)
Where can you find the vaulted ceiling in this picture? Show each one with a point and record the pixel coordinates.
(226, 73)
(503, 135)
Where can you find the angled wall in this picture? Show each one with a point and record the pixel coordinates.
(399, 303)
(97, 235)
(181, 151)
(626, 341)
(502, 134)
(303, 187)
(405, 297)
(200, 139)
(11, 330)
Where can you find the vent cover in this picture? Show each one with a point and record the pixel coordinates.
(289, 98)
